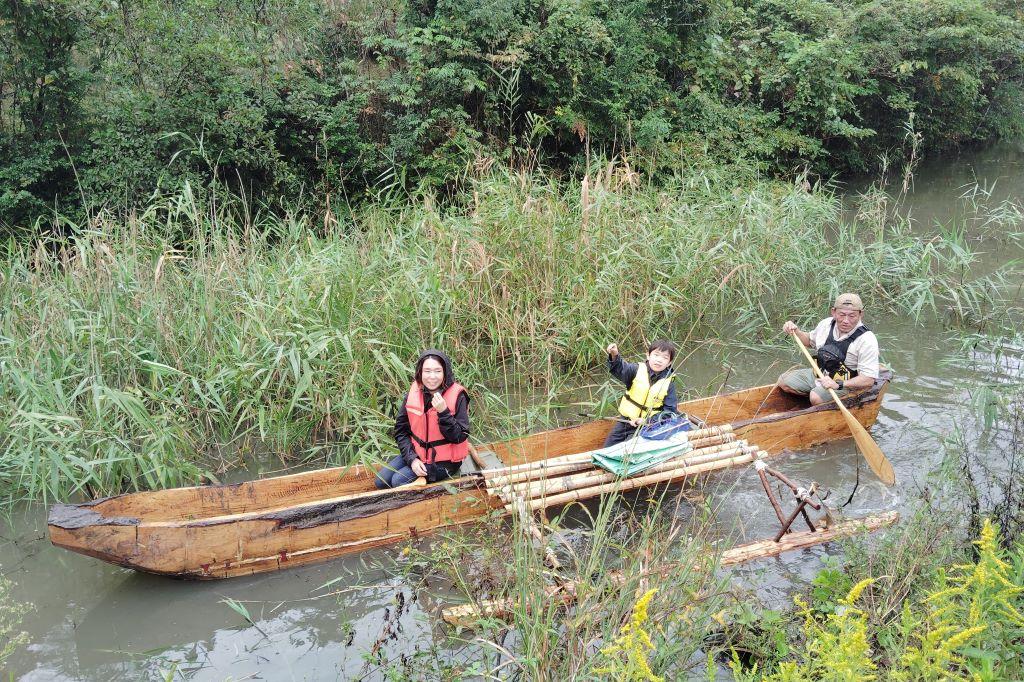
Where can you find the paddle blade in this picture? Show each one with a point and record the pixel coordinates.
(876, 459)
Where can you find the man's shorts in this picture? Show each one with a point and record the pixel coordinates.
(802, 380)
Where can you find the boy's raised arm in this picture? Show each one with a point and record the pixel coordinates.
(619, 368)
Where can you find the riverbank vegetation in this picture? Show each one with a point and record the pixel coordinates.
(150, 353)
(301, 102)
(639, 583)
(11, 614)
(960, 620)
(923, 603)
(233, 229)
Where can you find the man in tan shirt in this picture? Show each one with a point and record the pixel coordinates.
(847, 353)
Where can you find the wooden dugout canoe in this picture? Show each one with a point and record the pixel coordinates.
(223, 531)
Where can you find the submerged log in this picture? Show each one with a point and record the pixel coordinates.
(466, 615)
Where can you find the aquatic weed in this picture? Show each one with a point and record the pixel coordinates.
(627, 654)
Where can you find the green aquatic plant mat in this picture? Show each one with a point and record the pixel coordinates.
(639, 454)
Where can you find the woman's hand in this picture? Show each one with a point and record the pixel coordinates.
(637, 422)
(418, 467)
(438, 402)
(790, 327)
(613, 350)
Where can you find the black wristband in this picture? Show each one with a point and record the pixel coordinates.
(841, 384)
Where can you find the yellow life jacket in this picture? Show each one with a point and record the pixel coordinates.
(642, 400)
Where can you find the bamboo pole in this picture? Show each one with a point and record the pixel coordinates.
(566, 459)
(538, 464)
(600, 477)
(768, 491)
(585, 465)
(594, 475)
(466, 615)
(641, 481)
(525, 483)
(548, 486)
(803, 498)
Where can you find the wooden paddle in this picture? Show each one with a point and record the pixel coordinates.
(877, 460)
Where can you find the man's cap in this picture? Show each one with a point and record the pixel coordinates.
(848, 302)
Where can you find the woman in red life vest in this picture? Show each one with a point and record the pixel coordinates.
(432, 426)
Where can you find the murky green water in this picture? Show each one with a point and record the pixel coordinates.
(98, 622)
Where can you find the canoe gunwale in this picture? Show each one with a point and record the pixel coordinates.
(334, 510)
(81, 515)
(852, 401)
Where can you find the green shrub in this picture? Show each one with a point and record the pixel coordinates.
(291, 102)
(966, 626)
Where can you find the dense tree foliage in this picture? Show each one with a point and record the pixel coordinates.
(106, 102)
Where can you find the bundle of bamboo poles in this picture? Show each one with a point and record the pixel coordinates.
(546, 483)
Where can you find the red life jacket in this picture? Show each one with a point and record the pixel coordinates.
(427, 440)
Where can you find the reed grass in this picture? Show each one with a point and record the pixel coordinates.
(160, 347)
(627, 547)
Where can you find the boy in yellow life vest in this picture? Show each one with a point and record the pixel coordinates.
(649, 388)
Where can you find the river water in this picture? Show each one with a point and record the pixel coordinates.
(93, 621)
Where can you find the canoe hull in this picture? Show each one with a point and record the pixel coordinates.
(211, 532)
(268, 541)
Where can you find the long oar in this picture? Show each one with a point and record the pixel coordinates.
(877, 460)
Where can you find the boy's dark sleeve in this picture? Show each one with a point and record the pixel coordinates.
(671, 403)
(403, 434)
(622, 370)
(455, 427)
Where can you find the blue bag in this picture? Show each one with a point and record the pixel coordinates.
(665, 425)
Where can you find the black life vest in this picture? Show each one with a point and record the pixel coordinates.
(832, 354)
